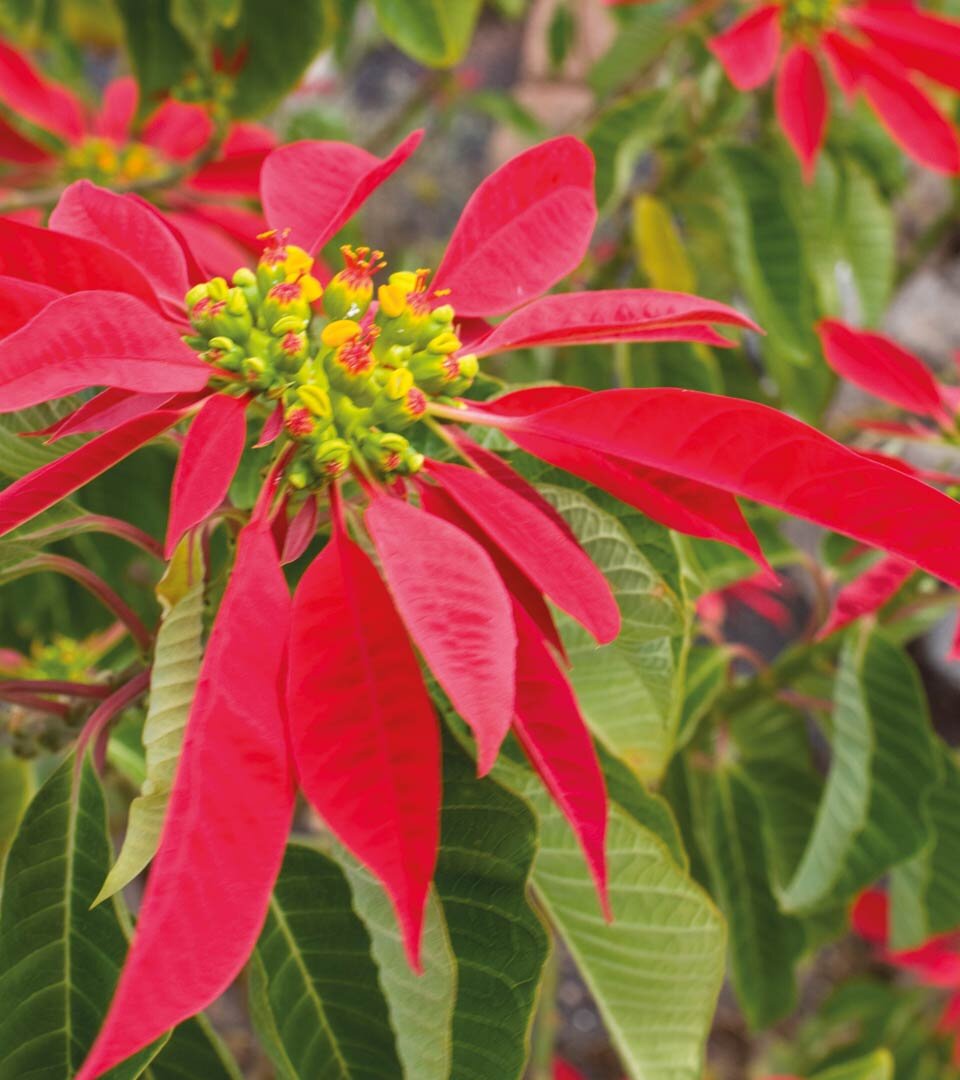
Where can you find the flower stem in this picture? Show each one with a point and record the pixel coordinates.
(54, 686)
(107, 710)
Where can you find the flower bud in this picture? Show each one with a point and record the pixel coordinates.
(317, 400)
(397, 414)
(349, 293)
(333, 457)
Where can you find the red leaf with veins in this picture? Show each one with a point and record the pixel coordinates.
(749, 49)
(605, 316)
(457, 611)
(802, 103)
(555, 738)
(759, 453)
(210, 455)
(39, 490)
(104, 411)
(682, 504)
(21, 301)
(909, 115)
(364, 734)
(227, 822)
(68, 263)
(866, 593)
(314, 187)
(921, 41)
(436, 501)
(525, 227)
(95, 339)
(879, 366)
(216, 253)
(127, 227)
(554, 562)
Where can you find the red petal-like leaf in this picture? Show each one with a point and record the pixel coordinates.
(749, 49)
(120, 100)
(209, 458)
(801, 100)
(555, 738)
(226, 825)
(237, 170)
(313, 188)
(14, 147)
(103, 412)
(300, 531)
(68, 263)
(923, 42)
(555, 563)
(39, 490)
(881, 367)
(95, 339)
(525, 227)
(458, 612)
(867, 593)
(682, 504)
(759, 453)
(27, 93)
(272, 427)
(908, 114)
(218, 254)
(436, 501)
(364, 734)
(21, 301)
(125, 225)
(606, 316)
(178, 130)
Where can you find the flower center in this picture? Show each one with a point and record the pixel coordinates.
(809, 16)
(350, 375)
(105, 162)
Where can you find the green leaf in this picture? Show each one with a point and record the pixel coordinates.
(764, 943)
(627, 690)
(706, 676)
(928, 886)
(173, 680)
(59, 960)
(561, 34)
(643, 32)
(17, 784)
(435, 32)
(872, 815)
(20, 455)
(869, 241)
(768, 257)
(656, 970)
(421, 1006)
(621, 134)
(193, 1052)
(159, 55)
(199, 20)
(660, 250)
(488, 842)
(315, 997)
(876, 1066)
(276, 42)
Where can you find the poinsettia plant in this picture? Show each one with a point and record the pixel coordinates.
(393, 655)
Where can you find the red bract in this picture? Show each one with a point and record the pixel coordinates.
(466, 554)
(108, 146)
(872, 47)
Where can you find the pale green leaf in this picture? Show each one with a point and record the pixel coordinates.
(656, 970)
(869, 239)
(315, 996)
(435, 32)
(875, 1066)
(421, 1006)
(872, 814)
(173, 680)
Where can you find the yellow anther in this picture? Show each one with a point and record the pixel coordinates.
(398, 383)
(317, 400)
(469, 366)
(444, 343)
(403, 279)
(339, 333)
(312, 289)
(393, 299)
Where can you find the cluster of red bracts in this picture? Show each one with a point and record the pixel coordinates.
(873, 48)
(325, 690)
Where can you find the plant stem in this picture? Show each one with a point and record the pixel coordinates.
(107, 710)
(54, 686)
(96, 586)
